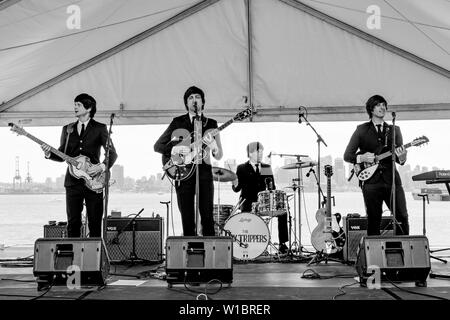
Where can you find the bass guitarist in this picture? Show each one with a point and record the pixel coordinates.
(83, 137)
(369, 140)
(175, 142)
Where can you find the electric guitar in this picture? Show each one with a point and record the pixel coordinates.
(180, 166)
(323, 238)
(365, 170)
(78, 166)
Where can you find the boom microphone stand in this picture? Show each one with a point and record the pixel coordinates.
(301, 114)
(107, 177)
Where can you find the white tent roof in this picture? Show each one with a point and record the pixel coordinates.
(137, 58)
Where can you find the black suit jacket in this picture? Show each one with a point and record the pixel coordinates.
(181, 126)
(95, 136)
(365, 139)
(249, 183)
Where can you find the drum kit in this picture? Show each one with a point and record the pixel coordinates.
(250, 230)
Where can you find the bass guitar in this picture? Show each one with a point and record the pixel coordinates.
(323, 237)
(365, 170)
(181, 166)
(78, 166)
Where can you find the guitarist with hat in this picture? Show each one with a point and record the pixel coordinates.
(83, 137)
(370, 139)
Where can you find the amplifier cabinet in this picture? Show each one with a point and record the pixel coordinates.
(53, 257)
(199, 259)
(59, 231)
(355, 228)
(399, 258)
(148, 239)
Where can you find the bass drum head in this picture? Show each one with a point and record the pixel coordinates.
(250, 235)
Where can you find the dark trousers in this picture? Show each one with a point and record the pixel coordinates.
(186, 205)
(282, 222)
(374, 195)
(75, 195)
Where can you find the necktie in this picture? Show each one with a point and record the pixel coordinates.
(82, 130)
(257, 168)
(380, 134)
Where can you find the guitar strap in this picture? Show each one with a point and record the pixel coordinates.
(69, 130)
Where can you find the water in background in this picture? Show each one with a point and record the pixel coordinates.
(22, 217)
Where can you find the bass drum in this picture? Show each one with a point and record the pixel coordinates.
(250, 235)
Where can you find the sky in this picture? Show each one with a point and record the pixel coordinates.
(134, 145)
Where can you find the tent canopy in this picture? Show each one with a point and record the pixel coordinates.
(138, 57)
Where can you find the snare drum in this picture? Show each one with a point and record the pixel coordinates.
(250, 235)
(221, 215)
(272, 203)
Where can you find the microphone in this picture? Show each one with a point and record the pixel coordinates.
(195, 107)
(113, 115)
(301, 113)
(270, 154)
(309, 172)
(393, 114)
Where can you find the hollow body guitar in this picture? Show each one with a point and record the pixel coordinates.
(323, 237)
(78, 166)
(181, 166)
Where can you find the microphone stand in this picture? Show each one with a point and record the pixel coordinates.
(197, 140)
(393, 191)
(319, 140)
(107, 177)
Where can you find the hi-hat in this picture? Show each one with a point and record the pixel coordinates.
(301, 164)
(223, 175)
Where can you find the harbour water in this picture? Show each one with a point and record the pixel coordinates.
(22, 217)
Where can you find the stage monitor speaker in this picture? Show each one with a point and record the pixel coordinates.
(53, 257)
(399, 258)
(147, 239)
(355, 227)
(199, 259)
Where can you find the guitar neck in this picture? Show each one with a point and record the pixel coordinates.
(389, 153)
(53, 150)
(217, 130)
(328, 197)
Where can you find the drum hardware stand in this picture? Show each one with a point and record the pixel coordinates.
(302, 112)
(300, 185)
(425, 195)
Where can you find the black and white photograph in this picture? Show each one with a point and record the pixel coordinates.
(261, 156)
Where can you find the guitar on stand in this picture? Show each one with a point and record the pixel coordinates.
(324, 239)
(78, 166)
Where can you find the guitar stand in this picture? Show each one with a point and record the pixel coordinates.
(320, 256)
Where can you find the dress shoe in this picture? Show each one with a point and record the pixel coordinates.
(283, 248)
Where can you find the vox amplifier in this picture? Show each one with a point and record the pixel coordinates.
(355, 227)
(139, 239)
(199, 259)
(56, 258)
(399, 258)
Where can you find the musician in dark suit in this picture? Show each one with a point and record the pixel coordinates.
(370, 139)
(83, 137)
(254, 176)
(172, 142)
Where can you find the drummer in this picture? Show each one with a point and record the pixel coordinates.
(254, 176)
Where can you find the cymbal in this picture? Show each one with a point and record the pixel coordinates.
(223, 175)
(301, 164)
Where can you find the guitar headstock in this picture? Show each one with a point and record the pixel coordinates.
(328, 171)
(419, 141)
(244, 114)
(15, 128)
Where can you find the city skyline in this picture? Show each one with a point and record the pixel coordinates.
(134, 145)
